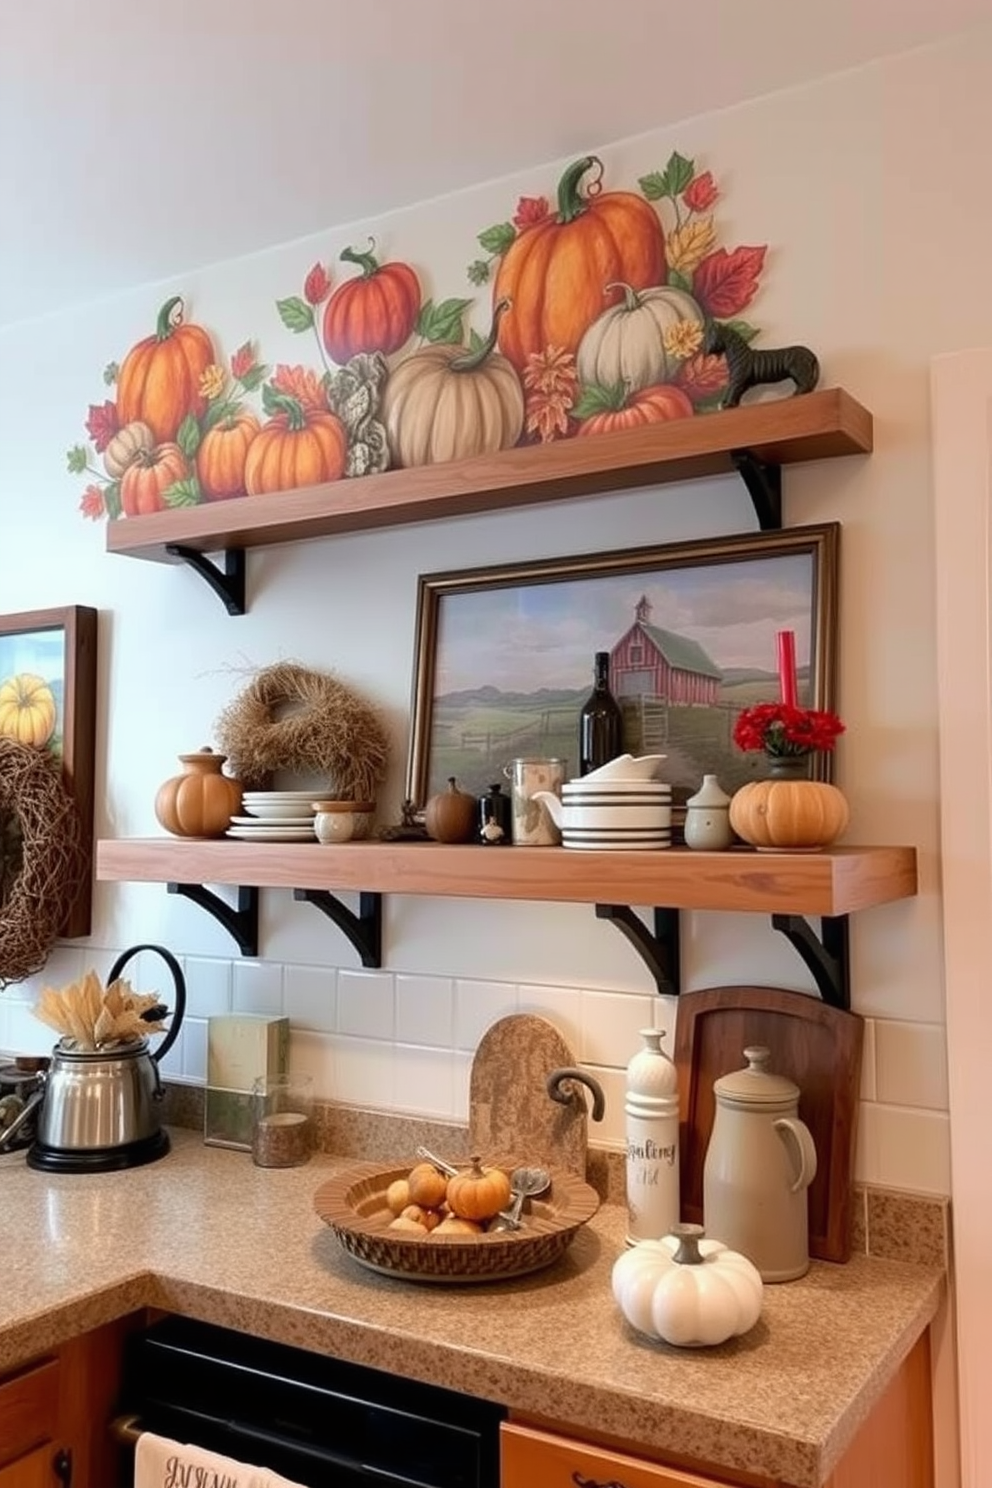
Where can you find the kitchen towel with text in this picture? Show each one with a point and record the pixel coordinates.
(161, 1463)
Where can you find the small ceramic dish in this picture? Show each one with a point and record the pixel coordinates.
(342, 821)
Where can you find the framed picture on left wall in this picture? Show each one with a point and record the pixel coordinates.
(48, 701)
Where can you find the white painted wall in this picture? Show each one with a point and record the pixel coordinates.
(865, 185)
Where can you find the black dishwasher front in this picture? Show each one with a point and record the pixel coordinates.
(316, 1420)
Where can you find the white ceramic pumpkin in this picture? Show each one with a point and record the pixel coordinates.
(627, 343)
(687, 1290)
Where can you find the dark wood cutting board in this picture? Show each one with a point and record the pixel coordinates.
(817, 1046)
(509, 1108)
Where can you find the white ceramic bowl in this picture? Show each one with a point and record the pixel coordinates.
(342, 821)
(632, 816)
(628, 767)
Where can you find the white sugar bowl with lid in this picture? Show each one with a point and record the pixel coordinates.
(759, 1164)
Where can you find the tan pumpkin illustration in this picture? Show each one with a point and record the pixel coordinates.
(223, 454)
(445, 403)
(127, 444)
(627, 343)
(27, 709)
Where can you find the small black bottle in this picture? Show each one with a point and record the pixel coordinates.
(494, 817)
(600, 722)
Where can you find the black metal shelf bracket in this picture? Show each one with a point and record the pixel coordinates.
(660, 950)
(240, 921)
(764, 486)
(227, 582)
(364, 930)
(826, 955)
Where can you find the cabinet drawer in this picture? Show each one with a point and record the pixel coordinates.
(35, 1471)
(29, 1404)
(529, 1457)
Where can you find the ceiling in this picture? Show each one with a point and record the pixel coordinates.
(141, 140)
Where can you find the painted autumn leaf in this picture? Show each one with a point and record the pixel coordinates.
(689, 244)
(702, 376)
(726, 283)
(301, 383)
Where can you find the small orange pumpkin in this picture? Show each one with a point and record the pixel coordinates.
(201, 801)
(789, 813)
(615, 409)
(27, 709)
(223, 454)
(149, 476)
(375, 312)
(478, 1193)
(450, 815)
(555, 272)
(159, 380)
(296, 447)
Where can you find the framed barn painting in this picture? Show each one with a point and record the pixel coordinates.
(48, 701)
(504, 656)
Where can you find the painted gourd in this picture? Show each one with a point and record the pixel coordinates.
(201, 801)
(223, 454)
(296, 447)
(687, 1290)
(618, 410)
(159, 380)
(376, 312)
(125, 447)
(450, 815)
(27, 709)
(478, 1193)
(445, 403)
(634, 343)
(554, 272)
(789, 813)
(149, 476)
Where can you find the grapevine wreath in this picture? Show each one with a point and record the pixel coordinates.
(307, 722)
(43, 859)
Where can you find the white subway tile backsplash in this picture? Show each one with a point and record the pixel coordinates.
(425, 1010)
(65, 964)
(423, 1081)
(208, 986)
(310, 997)
(312, 1053)
(364, 1072)
(911, 1065)
(902, 1148)
(366, 1004)
(611, 1024)
(461, 1066)
(868, 1081)
(26, 1034)
(257, 987)
(562, 1006)
(477, 1006)
(611, 1131)
(171, 1066)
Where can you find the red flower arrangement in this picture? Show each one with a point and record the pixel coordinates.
(785, 732)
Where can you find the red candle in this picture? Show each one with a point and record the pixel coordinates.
(787, 668)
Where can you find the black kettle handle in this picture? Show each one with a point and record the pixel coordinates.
(179, 1011)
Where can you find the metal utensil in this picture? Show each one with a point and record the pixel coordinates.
(438, 1162)
(525, 1183)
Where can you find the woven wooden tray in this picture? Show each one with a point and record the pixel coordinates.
(353, 1203)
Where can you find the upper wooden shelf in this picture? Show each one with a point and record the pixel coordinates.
(816, 426)
(830, 883)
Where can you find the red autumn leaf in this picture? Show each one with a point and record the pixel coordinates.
(102, 424)
(702, 376)
(531, 209)
(316, 285)
(91, 503)
(242, 360)
(300, 383)
(726, 283)
(701, 192)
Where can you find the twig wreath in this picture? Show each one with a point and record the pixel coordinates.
(307, 722)
(43, 860)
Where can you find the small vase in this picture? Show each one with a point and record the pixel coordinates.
(707, 818)
(788, 812)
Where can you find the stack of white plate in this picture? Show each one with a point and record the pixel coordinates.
(616, 814)
(275, 816)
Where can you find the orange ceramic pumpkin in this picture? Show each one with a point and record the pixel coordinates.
(788, 813)
(651, 405)
(159, 380)
(223, 453)
(376, 312)
(555, 272)
(27, 709)
(145, 481)
(296, 447)
(201, 801)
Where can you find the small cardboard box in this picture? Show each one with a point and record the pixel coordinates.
(241, 1047)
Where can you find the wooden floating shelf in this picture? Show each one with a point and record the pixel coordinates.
(816, 426)
(831, 883)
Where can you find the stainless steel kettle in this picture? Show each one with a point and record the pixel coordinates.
(100, 1110)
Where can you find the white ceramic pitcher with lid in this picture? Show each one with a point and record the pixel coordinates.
(759, 1164)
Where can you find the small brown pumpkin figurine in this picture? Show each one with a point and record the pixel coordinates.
(450, 815)
(201, 801)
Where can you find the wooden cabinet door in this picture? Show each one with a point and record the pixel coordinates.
(29, 1409)
(539, 1459)
(34, 1471)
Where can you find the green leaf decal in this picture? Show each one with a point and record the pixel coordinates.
(478, 272)
(653, 186)
(110, 372)
(475, 341)
(76, 459)
(442, 324)
(672, 181)
(188, 436)
(253, 378)
(183, 493)
(295, 314)
(594, 399)
(112, 500)
(497, 239)
(215, 412)
(679, 280)
(743, 328)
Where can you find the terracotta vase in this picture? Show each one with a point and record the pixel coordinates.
(201, 801)
(789, 812)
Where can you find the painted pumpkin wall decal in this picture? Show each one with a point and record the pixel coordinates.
(159, 379)
(555, 271)
(126, 445)
(27, 709)
(145, 482)
(375, 312)
(223, 455)
(447, 403)
(642, 340)
(605, 410)
(297, 446)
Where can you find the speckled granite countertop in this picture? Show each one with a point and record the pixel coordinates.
(205, 1233)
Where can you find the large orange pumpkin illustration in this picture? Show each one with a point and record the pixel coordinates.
(223, 454)
(145, 481)
(376, 312)
(296, 447)
(555, 272)
(27, 709)
(159, 380)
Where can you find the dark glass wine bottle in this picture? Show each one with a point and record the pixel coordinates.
(600, 722)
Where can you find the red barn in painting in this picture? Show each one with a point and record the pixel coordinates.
(653, 663)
